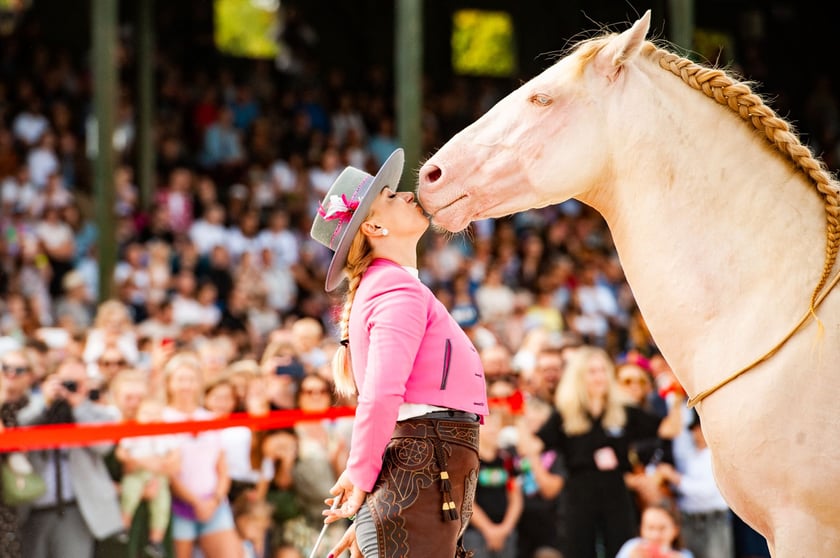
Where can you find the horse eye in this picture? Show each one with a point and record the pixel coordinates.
(541, 100)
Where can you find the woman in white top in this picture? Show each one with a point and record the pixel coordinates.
(238, 444)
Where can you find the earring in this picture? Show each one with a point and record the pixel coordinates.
(384, 232)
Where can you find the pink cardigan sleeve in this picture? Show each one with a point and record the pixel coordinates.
(395, 316)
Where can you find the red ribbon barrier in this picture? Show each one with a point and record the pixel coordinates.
(63, 435)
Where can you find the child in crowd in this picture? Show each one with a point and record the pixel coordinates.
(145, 458)
(659, 535)
(253, 520)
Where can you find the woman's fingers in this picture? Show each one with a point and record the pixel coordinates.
(346, 541)
(347, 508)
(355, 501)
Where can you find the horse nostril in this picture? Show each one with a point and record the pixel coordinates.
(430, 174)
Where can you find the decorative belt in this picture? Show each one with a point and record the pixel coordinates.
(452, 414)
(448, 431)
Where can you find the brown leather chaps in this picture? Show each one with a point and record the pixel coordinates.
(423, 498)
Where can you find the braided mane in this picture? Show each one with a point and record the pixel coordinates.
(718, 85)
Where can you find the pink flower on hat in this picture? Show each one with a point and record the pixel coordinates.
(338, 207)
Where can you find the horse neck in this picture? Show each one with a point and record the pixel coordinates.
(715, 237)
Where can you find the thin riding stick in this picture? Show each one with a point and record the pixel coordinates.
(324, 528)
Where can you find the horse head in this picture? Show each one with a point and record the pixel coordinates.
(506, 161)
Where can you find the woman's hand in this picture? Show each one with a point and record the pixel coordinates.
(495, 536)
(348, 498)
(205, 508)
(50, 388)
(160, 354)
(170, 465)
(348, 540)
(667, 472)
(527, 444)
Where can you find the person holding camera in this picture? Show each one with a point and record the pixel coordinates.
(80, 505)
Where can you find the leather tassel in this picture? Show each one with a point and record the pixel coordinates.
(448, 508)
(453, 513)
(445, 485)
(449, 511)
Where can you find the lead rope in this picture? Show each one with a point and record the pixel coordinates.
(809, 314)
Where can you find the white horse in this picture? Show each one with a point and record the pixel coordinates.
(727, 229)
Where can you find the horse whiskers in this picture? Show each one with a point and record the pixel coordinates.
(449, 235)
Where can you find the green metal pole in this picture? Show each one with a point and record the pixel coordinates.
(105, 108)
(408, 59)
(145, 101)
(682, 25)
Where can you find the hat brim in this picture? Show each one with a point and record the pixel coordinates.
(389, 175)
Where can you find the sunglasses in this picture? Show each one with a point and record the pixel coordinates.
(16, 370)
(631, 381)
(112, 363)
(314, 392)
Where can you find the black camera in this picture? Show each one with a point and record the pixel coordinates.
(70, 385)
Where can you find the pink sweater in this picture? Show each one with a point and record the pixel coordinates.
(405, 348)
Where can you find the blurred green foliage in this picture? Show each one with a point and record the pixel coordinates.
(483, 43)
(247, 28)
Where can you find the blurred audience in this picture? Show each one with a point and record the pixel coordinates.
(219, 295)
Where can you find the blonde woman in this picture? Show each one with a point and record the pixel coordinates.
(411, 472)
(592, 427)
(200, 510)
(112, 327)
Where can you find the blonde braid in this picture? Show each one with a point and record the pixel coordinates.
(358, 260)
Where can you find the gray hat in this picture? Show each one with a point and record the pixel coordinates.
(346, 206)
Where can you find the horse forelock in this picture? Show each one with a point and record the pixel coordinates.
(587, 50)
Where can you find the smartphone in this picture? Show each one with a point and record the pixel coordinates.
(293, 369)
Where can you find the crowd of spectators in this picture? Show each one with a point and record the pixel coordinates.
(219, 307)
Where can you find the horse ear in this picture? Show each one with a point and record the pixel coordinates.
(623, 47)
